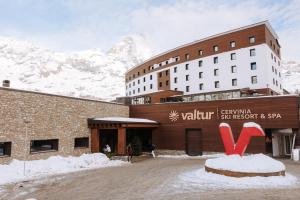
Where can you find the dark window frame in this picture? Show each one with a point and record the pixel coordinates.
(43, 145)
(81, 142)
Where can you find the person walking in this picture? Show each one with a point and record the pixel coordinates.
(152, 150)
(107, 150)
(129, 152)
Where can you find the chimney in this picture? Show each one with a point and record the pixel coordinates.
(6, 83)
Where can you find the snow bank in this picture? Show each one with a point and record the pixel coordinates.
(13, 172)
(201, 180)
(224, 125)
(253, 163)
(252, 124)
(185, 156)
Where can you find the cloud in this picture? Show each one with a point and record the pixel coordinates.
(171, 25)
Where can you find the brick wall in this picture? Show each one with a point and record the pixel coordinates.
(49, 117)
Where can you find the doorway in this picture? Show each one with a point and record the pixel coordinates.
(110, 137)
(140, 139)
(193, 138)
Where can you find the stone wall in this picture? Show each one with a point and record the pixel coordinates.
(48, 117)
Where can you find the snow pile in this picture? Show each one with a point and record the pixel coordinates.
(252, 125)
(259, 163)
(201, 180)
(13, 172)
(90, 74)
(185, 156)
(291, 76)
(125, 119)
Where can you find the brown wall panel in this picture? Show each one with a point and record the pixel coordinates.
(171, 135)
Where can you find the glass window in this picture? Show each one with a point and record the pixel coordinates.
(200, 74)
(43, 145)
(252, 52)
(175, 89)
(175, 80)
(5, 148)
(144, 88)
(160, 84)
(215, 60)
(253, 79)
(216, 48)
(167, 72)
(233, 56)
(186, 77)
(232, 44)
(138, 90)
(187, 88)
(216, 72)
(187, 56)
(138, 81)
(217, 84)
(82, 142)
(233, 69)
(186, 66)
(151, 86)
(150, 77)
(273, 81)
(253, 66)
(234, 82)
(200, 52)
(251, 39)
(175, 69)
(200, 63)
(160, 74)
(201, 86)
(144, 79)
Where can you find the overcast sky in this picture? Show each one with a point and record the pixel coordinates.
(72, 25)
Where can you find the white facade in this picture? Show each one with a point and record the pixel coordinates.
(267, 69)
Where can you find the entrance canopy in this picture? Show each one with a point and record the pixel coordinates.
(117, 122)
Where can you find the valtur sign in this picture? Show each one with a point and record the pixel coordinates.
(196, 115)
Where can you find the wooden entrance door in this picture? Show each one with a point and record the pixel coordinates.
(193, 142)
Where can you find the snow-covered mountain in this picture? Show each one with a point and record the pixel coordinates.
(91, 73)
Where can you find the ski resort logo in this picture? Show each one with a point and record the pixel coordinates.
(173, 115)
(194, 115)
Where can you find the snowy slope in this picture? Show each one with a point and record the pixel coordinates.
(90, 73)
(291, 76)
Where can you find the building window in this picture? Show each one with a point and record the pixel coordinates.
(234, 82)
(129, 93)
(133, 75)
(253, 66)
(217, 84)
(133, 83)
(167, 82)
(150, 77)
(160, 84)
(200, 74)
(175, 89)
(151, 86)
(167, 73)
(187, 56)
(144, 79)
(200, 52)
(186, 66)
(138, 90)
(160, 74)
(201, 86)
(175, 69)
(43, 145)
(216, 48)
(138, 73)
(5, 149)
(215, 60)
(276, 83)
(233, 69)
(253, 79)
(186, 77)
(233, 56)
(276, 71)
(144, 88)
(160, 64)
(167, 62)
(252, 52)
(251, 39)
(82, 142)
(273, 69)
(144, 71)
(187, 88)
(232, 44)
(216, 72)
(279, 74)
(200, 63)
(133, 91)
(138, 81)
(175, 80)
(271, 56)
(129, 85)
(273, 81)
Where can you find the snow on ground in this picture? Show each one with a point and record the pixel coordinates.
(13, 172)
(185, 156)
(201, 180)
(251, 163)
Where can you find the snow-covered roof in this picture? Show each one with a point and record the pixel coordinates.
(125, 120)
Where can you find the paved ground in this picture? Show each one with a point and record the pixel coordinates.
(147, 179)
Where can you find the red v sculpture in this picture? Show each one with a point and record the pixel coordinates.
(249, 130)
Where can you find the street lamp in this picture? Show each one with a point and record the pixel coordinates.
(26, 121)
